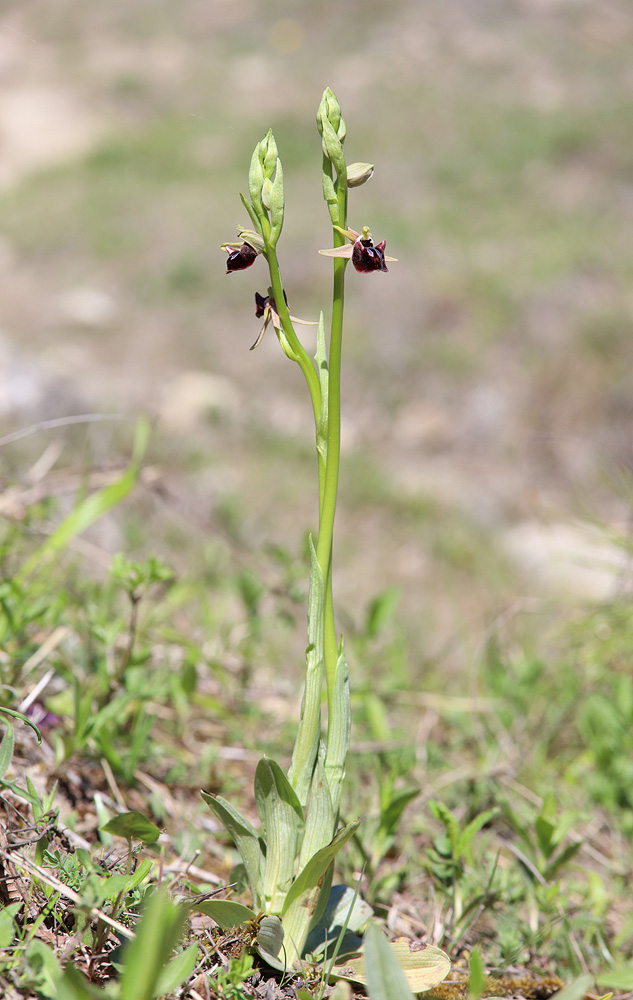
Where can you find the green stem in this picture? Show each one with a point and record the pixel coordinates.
(330, 488)
(301, 356)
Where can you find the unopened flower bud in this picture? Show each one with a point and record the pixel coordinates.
(330, 109)
(266, 188)
(359, 173)
(268, 154)
(332, 128)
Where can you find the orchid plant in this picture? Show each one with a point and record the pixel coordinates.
(289, 862)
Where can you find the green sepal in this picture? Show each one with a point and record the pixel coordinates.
(281, 815)
(245, 838)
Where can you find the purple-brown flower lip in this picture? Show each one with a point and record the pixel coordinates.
(242, 253)
(365, 255)
(241, 258)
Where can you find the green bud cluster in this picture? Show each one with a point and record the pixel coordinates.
(331, 126)
(266, 190)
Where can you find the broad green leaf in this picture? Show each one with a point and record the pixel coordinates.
(319, 828)
(176, 972)
(6, 748)
(423, 969)
(282, 821)
(306, 746)
(133, 826)
(304, 901)
(245, 839)
(225, 912)
(270, 939)
(385, 977)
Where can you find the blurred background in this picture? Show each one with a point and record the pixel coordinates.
(487, 378)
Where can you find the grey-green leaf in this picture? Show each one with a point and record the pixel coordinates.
(270, 939)
(244, 837)
(281, 816)
(224, 912)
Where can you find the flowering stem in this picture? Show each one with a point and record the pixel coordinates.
(299, 353)
(330, 488)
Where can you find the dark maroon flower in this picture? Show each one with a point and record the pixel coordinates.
(265, 307)
(240, 259)
(261, 301)
(367, 257)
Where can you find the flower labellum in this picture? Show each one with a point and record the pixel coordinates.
(240, 258)
(365, 256)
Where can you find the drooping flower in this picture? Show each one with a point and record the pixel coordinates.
(242, 254)
(265, 307)
(240, 257)
(364, 254)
